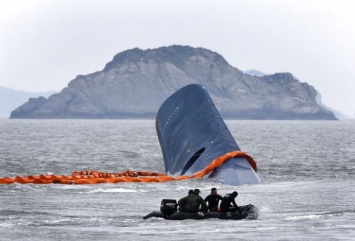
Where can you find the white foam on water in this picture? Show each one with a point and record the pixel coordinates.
(70, 187)
(112, 190)
(6, 225)
(312, 216)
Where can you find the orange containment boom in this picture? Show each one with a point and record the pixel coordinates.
(95, 177)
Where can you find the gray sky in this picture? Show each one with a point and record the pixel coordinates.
(45, 44)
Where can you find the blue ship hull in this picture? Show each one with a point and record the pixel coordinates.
(192, 134)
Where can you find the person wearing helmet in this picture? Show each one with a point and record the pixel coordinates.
(227, 200)
(192, 203)
(213, 200)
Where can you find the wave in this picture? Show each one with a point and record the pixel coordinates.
(321, 215)
(7, 212)
(113, 190)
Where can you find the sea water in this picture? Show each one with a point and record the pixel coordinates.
(307, 193)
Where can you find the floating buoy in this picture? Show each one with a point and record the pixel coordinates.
(96, 177)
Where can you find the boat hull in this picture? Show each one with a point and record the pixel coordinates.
(248, 212)
(192, 134)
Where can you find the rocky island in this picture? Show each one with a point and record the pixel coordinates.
(136, 82)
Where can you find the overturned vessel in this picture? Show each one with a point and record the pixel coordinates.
(192, 134)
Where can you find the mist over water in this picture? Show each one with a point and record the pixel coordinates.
(307, 168)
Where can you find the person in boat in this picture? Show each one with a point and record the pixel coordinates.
(213, 200)
(182, 201)
(192, 203)
(227, 200)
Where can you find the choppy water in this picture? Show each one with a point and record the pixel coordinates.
(307, 167)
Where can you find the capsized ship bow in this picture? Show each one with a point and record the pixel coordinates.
(192, 134)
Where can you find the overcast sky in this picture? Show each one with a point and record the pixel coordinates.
(45, 44)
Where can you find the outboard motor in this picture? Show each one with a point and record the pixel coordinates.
(168, 207)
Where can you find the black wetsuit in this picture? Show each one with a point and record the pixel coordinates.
(213, 201)
(225, 204)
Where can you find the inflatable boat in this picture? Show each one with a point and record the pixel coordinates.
(169, 211)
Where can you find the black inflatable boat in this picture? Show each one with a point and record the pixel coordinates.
(168, 210)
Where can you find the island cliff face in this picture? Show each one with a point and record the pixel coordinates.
(136, 82)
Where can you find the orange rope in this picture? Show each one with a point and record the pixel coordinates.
(95, 177)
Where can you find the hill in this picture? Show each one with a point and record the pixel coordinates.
(136, 82)
(11, 99)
